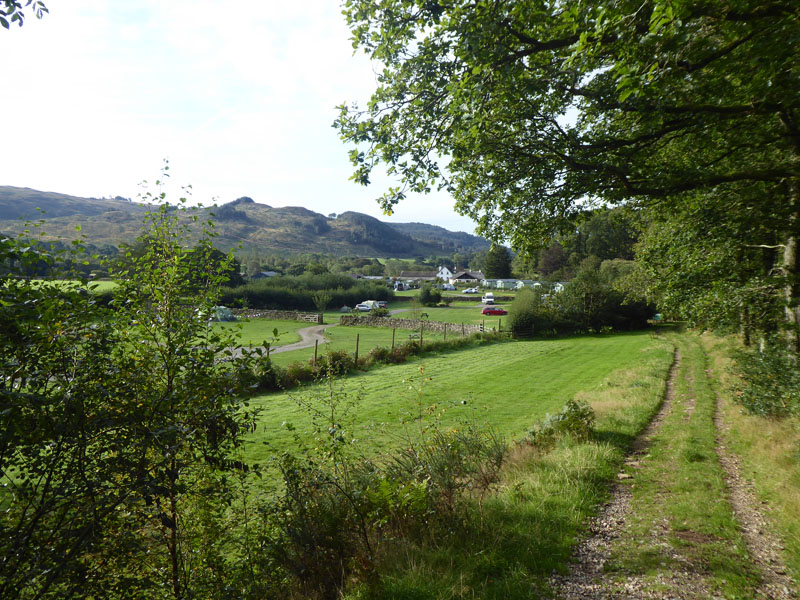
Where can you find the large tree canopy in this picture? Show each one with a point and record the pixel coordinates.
(525, 111)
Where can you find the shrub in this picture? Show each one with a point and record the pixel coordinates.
(334, 362)
(575, 420)
(267, 376)
(296, 373)
(770, 381)
(429, 296)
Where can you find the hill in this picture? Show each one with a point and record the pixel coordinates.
(253, 225)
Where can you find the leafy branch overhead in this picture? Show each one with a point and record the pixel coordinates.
(13, 11)
(538, 108)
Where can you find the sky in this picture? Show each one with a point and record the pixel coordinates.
(239, 97)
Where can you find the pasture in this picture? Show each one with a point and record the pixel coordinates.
(509, 386)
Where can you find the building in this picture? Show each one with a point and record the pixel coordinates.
(470, 277)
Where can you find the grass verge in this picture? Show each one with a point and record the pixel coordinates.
(769, 450)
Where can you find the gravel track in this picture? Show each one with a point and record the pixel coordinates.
(764, 548)
(586, 578)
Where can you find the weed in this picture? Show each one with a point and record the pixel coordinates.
(575, 420)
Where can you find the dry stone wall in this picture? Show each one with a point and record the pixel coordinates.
(415, 324)
(281, 315)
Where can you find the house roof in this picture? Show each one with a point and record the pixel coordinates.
(417, 274)
(468, 275)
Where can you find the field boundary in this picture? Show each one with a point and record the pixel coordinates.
(279, 315)
(414, 324)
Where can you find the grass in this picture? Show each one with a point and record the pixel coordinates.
(255, 331)
(506, 385)
(96, 285)
(769, 451)
(680, 498)
(528, 527)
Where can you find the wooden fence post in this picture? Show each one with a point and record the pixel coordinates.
(445, 332)
(393, 330)
(421, 329)
(316, 345)
(268, 350)
(462, 329)
(499, 324)
(357, 336)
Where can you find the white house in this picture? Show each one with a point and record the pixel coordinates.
(444, 274)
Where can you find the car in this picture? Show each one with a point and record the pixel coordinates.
(494, 310)
(363, 307)
(471, 291)
(382, 304)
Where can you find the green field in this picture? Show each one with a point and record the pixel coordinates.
(255, 331)
(344, 338)
(508, 385)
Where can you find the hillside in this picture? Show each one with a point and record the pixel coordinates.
(253, 225)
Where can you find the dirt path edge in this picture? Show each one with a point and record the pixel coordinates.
(584, 579)
(764, 548)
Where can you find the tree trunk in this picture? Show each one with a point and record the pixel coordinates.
(792, 290)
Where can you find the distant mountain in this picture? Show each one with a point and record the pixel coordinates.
(287, 230)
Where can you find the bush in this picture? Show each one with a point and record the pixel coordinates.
(576, 420)
(770, 381)
(304, 292)
(429, 296)
(334, 362)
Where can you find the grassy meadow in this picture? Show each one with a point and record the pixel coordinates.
(526, 528)
(508, 386)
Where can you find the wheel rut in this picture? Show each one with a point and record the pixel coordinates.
(764, 548)
(586, 578)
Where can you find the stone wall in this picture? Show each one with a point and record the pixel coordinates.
(281, 315)
(414, 324)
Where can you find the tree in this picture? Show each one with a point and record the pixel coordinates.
(672, 101)
(11, 11)
(429, 295)
(552, 259)
(117, 421)
(498, 263)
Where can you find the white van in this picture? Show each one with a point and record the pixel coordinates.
(488, 298)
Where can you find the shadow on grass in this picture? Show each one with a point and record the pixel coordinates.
(526, 533)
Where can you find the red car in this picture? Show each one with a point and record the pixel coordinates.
(494, 310)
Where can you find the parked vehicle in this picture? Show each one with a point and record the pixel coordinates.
(488, 298)
(381, 304)
(364, 307)
(471, 291)
(494, 310)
